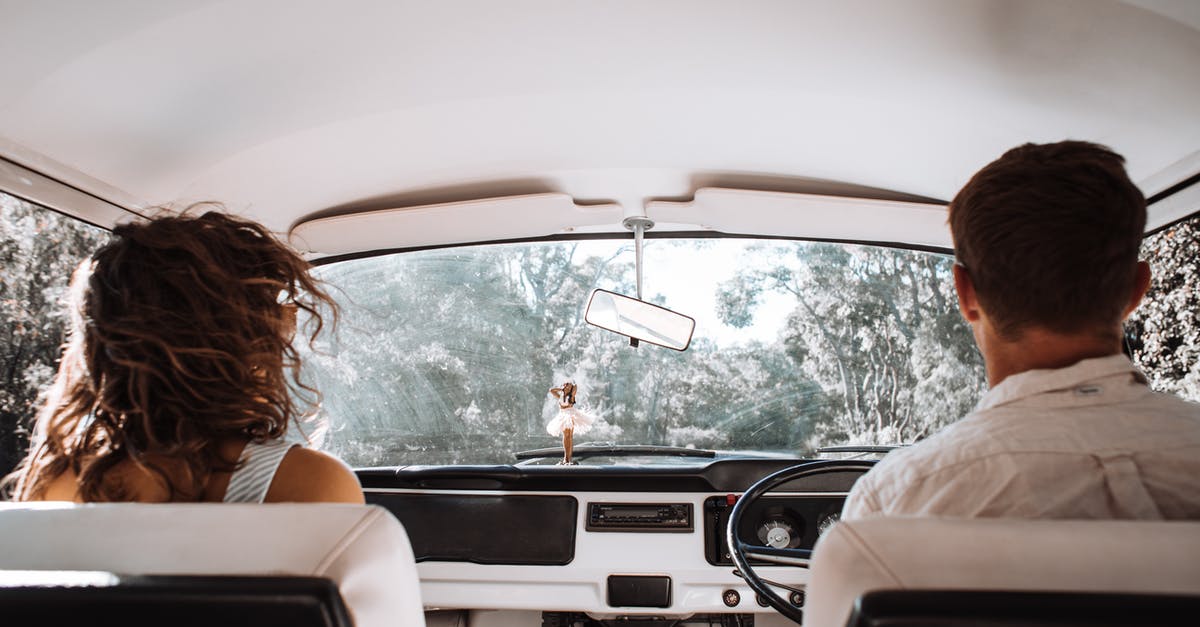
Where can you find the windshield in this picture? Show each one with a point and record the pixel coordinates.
(447, 356)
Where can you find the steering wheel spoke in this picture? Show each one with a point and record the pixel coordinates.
(786, 557)
(742, 552)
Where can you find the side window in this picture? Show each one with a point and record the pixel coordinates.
(38, 251)
(1164, 332)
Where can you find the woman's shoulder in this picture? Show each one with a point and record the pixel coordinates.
(308, 475)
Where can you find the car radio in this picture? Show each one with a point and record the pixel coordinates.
(639, 517)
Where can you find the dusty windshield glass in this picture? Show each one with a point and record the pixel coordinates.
(447, 356)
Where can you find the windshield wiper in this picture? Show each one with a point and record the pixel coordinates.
(614, 450)
(861, 448)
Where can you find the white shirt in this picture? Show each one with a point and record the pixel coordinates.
(1087, 441)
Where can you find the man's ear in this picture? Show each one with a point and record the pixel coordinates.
(1141, 283)
(968, 302)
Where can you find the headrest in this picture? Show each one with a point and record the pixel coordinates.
(856, 556)
(361, 548)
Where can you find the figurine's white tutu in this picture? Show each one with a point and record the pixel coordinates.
(569, 418)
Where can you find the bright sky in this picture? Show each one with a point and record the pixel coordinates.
(688, 278)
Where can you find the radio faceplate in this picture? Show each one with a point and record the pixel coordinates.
(640, 517)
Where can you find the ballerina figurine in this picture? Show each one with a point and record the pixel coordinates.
(569, 420)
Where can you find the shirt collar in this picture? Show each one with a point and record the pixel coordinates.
(1032, 382)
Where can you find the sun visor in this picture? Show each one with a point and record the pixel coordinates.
(491, 219)
(808, 216)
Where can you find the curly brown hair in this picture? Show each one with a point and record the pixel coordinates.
(180, 339)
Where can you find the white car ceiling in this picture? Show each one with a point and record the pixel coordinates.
(289, 111)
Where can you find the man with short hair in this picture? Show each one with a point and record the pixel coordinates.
(1046, 240)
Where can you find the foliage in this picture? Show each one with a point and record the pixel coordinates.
(877, 329)
(446, 356)
(39, 250)
(1164, 333)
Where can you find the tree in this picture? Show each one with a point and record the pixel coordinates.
(877, 328)
(39, 249)
(451, 353)
(468, 379)
(1164, 333)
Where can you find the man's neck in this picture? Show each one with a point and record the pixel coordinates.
(1039, 349)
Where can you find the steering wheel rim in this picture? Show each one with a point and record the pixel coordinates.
(741, 552)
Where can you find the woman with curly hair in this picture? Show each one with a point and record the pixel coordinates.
(179, 380)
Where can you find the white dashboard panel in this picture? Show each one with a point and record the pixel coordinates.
(580, 586)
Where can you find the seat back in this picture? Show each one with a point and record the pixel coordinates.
(908, 553)
(363, 550)
(103, 599)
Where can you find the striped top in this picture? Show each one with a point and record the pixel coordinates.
(258, 463)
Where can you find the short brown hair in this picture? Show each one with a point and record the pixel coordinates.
(1049, 234)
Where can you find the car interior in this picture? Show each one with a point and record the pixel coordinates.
(723, 223)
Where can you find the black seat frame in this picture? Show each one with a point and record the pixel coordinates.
(992, 608)
(184, 601)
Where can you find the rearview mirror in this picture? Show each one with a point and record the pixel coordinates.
(639, 320)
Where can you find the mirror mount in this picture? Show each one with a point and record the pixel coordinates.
(639, 225)
(635, 318)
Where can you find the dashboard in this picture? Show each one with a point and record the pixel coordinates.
(608, 542)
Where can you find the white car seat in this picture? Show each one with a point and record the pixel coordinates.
(1113, 556)
(364, 550)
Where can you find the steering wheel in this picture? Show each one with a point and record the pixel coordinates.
(742, 552)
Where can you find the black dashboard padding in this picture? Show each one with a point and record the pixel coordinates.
(486, 529)
(723, 475)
